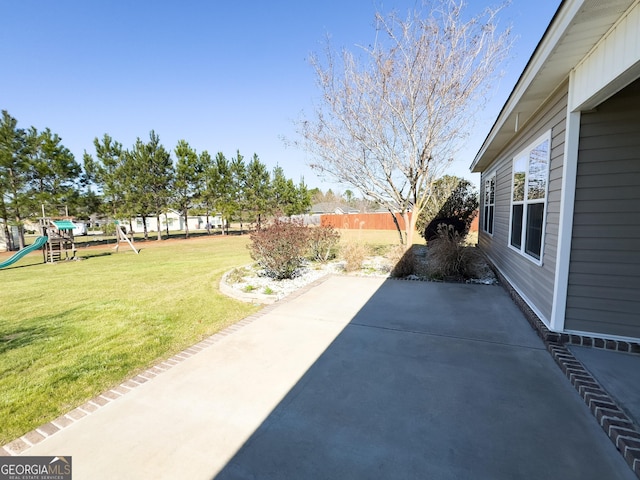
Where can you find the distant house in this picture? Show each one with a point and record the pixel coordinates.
(4, 243)
(9, 237)
(80, 229)
(560, 174)
(332, 207)
(174, 221)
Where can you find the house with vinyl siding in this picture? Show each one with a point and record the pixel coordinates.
(172, 221)
(560, 175)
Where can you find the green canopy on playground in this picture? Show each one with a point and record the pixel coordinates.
(64, 224)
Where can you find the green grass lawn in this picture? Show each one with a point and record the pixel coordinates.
(70, 330)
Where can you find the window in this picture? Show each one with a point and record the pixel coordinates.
(529, 187)
(489, 203)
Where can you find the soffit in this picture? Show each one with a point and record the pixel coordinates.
(574, 30)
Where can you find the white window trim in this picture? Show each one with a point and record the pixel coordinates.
(521, 251)
(495, 188)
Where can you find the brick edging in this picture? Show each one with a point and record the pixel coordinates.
(29, 439)
(563, 338)
(617, 425)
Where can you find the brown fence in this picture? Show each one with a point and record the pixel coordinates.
(371, 221)
(365, 221)
(474, 224)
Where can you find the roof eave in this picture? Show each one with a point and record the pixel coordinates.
(558, 26)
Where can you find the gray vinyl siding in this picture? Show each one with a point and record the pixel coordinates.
(534, 282)
(604, 272)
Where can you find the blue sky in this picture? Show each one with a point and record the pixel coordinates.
(222, 75)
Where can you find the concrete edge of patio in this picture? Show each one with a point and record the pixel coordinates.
(21, 445)
(621, 429)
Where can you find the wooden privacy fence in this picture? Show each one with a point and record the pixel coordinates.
(371, 221)
(365, 221)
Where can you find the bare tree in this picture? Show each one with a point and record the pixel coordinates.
(392, 118)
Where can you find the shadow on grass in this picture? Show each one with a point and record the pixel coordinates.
(23, 336)
(88, 241)
(88, 256)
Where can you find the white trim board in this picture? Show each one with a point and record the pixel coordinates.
(565, 225)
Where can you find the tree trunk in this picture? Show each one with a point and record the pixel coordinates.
(395, 220)
(14, 189)
(159, 227)
(208, 224)
(144, 228)
(7, 236)
(20, 232)
(410, 219)
(186, 223)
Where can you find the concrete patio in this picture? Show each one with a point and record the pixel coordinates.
(353, 378)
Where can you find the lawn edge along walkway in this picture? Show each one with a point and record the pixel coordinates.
(22, 444)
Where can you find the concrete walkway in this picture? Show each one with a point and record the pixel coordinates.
(355, 378)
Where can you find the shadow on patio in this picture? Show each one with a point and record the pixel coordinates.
(426, 380)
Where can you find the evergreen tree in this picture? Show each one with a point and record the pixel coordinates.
(208, 194)
(286, 197)
(257, 189)
(53, 173)
(158, 177)
(13, 170)
(138, 196)
(225, 192)
(237, 187)
(283, 192)
(106, 172)
(303, 198)
(188, 180)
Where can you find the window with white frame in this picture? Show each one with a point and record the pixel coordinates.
(489, 203)
(529, 197)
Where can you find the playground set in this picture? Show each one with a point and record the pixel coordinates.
(57, 242)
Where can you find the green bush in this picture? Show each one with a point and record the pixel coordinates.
(280, 248)
(109, 228)
(323, 241)
(452, 198)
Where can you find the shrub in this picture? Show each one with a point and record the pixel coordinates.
(353, 254)
(280, 248)
(405, 262)
(450, 258)
(452, 197)
(432, 230)
(237, 275)
(322, 243)
(109, 228)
